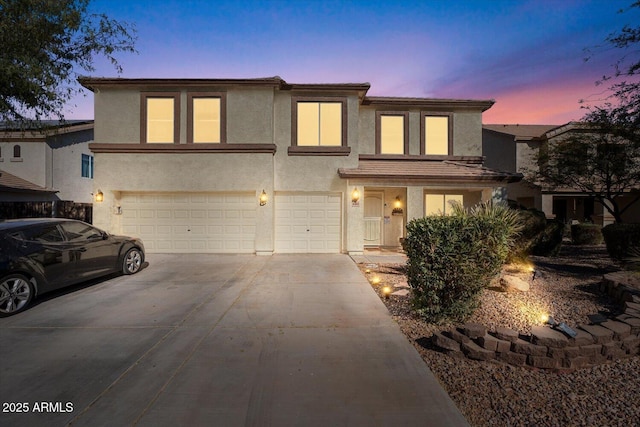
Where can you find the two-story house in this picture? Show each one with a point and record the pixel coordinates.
(47, 165)
(265, 166)
(515, 148)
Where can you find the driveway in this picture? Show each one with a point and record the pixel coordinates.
(218, 340)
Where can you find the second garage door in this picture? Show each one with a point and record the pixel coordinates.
(191, 222)
(307, 223)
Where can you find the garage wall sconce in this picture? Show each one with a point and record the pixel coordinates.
(263, 198)
(355, 196)
(99, 196)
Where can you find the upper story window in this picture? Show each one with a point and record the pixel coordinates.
(206, 118)
(17, 152)
(160, 117)
(319, 122)
(87, 166)
(392, 133)
(437, 134)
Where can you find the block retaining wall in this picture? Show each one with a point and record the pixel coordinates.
(546, 347)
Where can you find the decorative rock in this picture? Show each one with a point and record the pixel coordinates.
(631, 344)
(620, 330)
(490, 342)
(458, 336)
(542, 362)
(582, 338)
(632, 321)
(524, 347)
(506, 334)
(445, 343)
(474, 330)
(512, 358)
(632, 305)
(401, 293)
(474, 351)
(541, 335)
(591, 350)
(513, 283)
(600, 335)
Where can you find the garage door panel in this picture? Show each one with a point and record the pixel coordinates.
(307, 223)
(191, 222)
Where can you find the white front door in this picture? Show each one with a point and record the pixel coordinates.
(373, 213)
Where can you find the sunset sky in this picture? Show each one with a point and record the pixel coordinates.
(527, 55)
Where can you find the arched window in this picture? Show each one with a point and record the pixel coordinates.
(16, 151)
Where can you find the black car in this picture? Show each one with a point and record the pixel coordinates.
(40, 255)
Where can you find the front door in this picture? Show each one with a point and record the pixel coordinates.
(373, 213)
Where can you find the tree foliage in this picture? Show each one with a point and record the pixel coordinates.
(45, 45)
(603, 158)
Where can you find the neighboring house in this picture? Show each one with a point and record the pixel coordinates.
(47, 165)
(264, 166)
(515, 148)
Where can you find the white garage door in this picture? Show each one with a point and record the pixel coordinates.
(307, 223)
(191, 222)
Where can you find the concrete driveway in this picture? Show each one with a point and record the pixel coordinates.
(218, 340)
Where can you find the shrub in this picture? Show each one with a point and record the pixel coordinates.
(452, 258)
(621, 239)
(533, 223)
(586, 234)
(548, 242)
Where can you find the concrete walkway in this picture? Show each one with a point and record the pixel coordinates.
(210, 340)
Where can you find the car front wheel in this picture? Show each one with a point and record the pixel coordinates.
(132, 261)
(16, 292)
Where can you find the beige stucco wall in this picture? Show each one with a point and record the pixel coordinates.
(467, 134)
(32, 163)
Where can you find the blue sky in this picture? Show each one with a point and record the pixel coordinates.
(528, 55)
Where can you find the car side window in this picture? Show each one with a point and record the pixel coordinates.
(46, 234)
(80, 232)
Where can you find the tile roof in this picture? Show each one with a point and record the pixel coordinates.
(428, 171)
(12, 183)
(522, 132)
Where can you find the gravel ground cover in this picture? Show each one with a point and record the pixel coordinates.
(495, 394)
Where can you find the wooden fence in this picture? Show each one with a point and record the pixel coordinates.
(52, 209)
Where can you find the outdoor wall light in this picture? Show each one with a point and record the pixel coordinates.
(263, 198)
(355, 195)
(99, 196)
(397, 204)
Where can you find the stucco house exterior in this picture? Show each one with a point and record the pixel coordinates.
(515, 148)
(55, 164)
(264, 166)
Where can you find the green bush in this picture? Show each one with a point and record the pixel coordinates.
(548, 242)
(452, 258)
(621, 239)
(586, 234)
(533, 223)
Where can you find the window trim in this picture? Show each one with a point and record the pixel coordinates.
(223, 115)
(143, 115)
(405, 115)
(320, 150)
(423, 136)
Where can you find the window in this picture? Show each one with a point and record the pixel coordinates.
(87, 166)
(80, 232)
(319, 123)
(437, 204)
(436, 134)
(206, 118)
(46, 234)
(392, 133)
(160, 117)
(17, 152)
